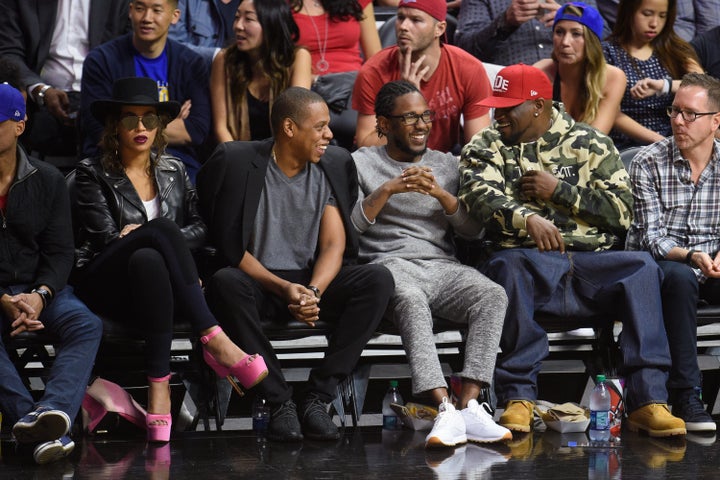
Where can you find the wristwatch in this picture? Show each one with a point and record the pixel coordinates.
(44, 295)
(40, 96)
(315, 290)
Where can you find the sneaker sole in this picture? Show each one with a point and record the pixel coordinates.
(507, 436)
(49, 426)
(437, 442)
(52, 453)
(516, 427)
(700, 426)
(635, 427)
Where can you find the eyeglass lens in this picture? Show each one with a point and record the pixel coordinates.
(149, 120)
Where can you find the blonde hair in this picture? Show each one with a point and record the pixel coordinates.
(594, 71)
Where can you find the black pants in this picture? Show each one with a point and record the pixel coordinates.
(354, 302)
(680, 293)
(142, 279)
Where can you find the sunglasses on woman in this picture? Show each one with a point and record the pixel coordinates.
(130, 122)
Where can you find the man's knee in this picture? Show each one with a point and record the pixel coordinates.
(228, 282)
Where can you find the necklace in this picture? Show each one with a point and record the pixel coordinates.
(322, 65)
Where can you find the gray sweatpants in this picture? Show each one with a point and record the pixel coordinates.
(452, 291)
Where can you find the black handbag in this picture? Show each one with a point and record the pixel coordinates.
(336, 89)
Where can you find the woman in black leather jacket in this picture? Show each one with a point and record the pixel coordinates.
(137, 211)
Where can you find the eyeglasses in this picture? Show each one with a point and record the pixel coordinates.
(150, 120)
(412, 118)
(687, 115)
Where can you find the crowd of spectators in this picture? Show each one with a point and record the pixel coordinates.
(242, 98)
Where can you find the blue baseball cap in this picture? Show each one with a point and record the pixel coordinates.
(12, 103)
(590, 17)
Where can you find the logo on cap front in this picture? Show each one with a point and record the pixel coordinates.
(500, 84)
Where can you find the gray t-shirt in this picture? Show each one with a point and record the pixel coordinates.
(287, 224)
(410, 225)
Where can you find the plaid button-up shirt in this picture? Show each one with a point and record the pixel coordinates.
(670, 210)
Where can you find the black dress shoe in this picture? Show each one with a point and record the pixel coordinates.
(316, 422)
(284, 425)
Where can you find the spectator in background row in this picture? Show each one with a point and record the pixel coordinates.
(505, 32)
(644, 45)
(35, 263)
(694, 17)
(589, 89)
(676, 185)
(139, 221)
(706, 47)
(452, 81)
(205, 26)
(180, 73)
(248, 75)
(340, 35)
(543, 185)
(49, 40)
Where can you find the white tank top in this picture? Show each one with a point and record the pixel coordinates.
(152, 207)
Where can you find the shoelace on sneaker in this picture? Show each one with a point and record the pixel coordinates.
(286, 409)
(693, 407)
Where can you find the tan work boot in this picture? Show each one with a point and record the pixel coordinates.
(518, 415)
(656, 420)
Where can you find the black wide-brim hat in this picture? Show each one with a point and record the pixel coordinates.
(133, 91)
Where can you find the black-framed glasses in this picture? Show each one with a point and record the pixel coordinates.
(687, 115)
(412, 118)
(149, 120)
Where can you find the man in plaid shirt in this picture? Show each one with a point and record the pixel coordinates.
(676, 186)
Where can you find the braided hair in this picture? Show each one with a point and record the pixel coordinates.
(385, 99)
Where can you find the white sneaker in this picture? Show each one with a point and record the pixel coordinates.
(480, 426)
(449, 427)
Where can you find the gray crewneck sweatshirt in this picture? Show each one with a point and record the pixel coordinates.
(410, 225)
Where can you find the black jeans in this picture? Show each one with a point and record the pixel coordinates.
(143, 279)
(354, 302)
(680, 293)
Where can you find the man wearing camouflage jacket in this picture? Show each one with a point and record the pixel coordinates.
(555, 200)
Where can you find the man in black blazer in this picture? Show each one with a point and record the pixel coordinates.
(279, 213)
(48, 40)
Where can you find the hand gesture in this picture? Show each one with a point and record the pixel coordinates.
(23, 309)
(302, 304)
(58, 104)
(646, 87)
(536, 184)
(413, 72)
(127, 229)
(709, 267)
(521, 11)
(545, 234)
(421, 179)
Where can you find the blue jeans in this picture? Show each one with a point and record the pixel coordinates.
(623, 285)
(79, 331)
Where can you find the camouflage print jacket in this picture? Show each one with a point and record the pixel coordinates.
(591, 205)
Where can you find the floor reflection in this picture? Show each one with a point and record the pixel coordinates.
(370, 452)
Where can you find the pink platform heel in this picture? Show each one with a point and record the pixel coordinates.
(250, 370)
(158, 425)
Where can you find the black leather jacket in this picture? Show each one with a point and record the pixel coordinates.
(107, 201)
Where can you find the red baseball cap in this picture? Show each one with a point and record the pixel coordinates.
(516, 84)
(435, 8)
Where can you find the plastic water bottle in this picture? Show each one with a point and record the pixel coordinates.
(390, 418)
(260, 414)
(600, 411)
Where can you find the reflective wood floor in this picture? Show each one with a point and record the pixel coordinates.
(371, 453)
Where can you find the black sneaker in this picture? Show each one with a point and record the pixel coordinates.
(316, 422)
(284, 425)
(41, 425)
(690, 408)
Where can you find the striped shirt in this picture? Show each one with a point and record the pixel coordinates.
(670, 210)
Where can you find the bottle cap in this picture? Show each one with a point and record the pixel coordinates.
(394, 383)
(600, 378)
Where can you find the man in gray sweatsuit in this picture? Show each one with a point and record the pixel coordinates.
(406, 211)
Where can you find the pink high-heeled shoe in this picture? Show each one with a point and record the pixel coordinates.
(250, 370)
(158, 425)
